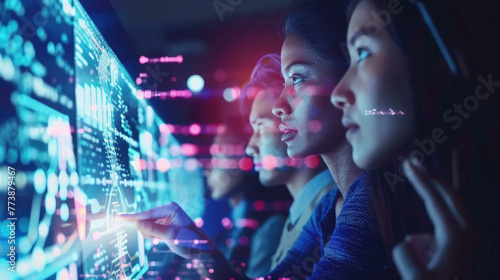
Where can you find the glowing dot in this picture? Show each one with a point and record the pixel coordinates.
(156, 241)
(175, 150)
(61, 238)
(243, 241)
(312, 161)
(64, 212)
(227, 223)
(9, 71)
(138, 81)
(164, 128)
(269, 162)
(73, 271)
(214, 149)
(52, 146)
(210, 270)
(259, 205)
(198, 222)
(195, 83)
(38, 259)
(39, 181)
(63, 183)
(52, 183)
(43, 229)
(195, 129)
(50, 203)
(73, 179)
(176, 242)
(63, 274)
(143, 59)
(243, 264)
(191, 164)
(189, 265)
(245, 164)
(56, 251)
(315, 126)
(231, 94)
(189, 149)
(162, 164)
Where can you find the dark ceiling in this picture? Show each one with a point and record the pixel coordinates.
(225, 35)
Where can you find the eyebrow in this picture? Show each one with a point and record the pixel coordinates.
(356, 36)
(295, 63)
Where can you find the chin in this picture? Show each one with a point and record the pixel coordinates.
(295, 153)
(362, 161)
(267, 179)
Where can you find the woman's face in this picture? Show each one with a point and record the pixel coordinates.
(269, 153)
(226, 179)
(309, 122)
(374, 94)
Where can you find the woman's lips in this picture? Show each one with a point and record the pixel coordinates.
(350, 131)
(288, 133)
(351, 127)
(257, 166)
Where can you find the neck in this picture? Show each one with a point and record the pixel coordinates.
(343, 169)
(300, 179)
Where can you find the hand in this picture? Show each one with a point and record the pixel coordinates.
(444, 255)
(171, 224)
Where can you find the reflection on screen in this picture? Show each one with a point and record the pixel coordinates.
(84, 149)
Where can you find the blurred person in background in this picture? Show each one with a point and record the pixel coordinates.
(307, 180)
(252, 213)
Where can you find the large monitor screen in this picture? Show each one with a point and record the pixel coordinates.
(78, 146)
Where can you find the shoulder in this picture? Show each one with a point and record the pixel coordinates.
(273, 223)
(326, 203)
(269, 232)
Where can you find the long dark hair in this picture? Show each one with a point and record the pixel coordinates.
(459, 161)
(321, 26)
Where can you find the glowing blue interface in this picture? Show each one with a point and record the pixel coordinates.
(77, 147)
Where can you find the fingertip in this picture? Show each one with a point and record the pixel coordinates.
(415, 162)
(125, 217)
(408, 168)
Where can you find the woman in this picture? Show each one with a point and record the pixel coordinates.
(342, 233)
(392, 102)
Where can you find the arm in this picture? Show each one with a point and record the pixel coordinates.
(171, 224)
(308, 249)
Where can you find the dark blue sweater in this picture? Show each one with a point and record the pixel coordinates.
(349, 246)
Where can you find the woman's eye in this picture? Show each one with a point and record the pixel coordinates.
(296, 80)
(362, 54)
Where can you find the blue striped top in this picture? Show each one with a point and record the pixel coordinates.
(349, 246)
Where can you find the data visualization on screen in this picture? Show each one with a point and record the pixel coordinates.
(84, 147)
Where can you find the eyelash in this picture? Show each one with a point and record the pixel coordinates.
(295, 76)
(360, 51)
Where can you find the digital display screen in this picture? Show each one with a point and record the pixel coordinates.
(79, 146)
